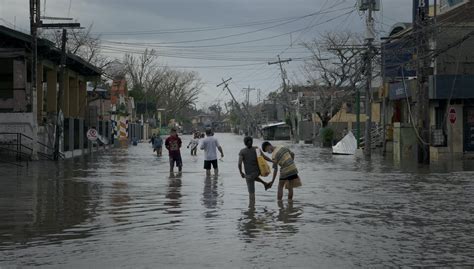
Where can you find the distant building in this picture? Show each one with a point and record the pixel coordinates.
(99, 114)
(123, 113)
(276, 131)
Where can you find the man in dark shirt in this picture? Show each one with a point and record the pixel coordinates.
(248, 156)
(173, 144)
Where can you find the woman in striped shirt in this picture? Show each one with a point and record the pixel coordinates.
(285, 159)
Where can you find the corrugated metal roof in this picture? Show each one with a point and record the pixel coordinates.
(273, 125)
(47, 50)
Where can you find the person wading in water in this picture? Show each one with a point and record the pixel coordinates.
(248, 157)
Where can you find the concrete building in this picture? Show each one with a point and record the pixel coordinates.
(99, 109)
(125, 125)
(28, 118)
(451, 85)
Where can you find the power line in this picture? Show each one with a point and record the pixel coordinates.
(157, 45)
(69, 8)
(211, 28)
(309, 27)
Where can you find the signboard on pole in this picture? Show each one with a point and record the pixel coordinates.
(92, 135)
(452, 115)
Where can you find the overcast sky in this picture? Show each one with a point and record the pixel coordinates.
(217, 38)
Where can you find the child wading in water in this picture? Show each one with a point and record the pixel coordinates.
(285, 158)
(193, 144)
(173, 144)
(157, 144)
(248, 156)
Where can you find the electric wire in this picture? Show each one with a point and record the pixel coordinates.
(155, 45)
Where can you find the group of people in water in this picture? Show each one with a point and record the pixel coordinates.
(250, 168)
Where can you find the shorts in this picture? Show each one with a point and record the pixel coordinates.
(177, 160)
(295, 176)
(292, 181)
(207, 164)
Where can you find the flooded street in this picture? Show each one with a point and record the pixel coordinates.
(122, 209)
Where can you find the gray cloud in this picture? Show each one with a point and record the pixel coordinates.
(139, 15)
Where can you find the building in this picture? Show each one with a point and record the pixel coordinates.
(125, 126)
(276, 131)
(28, 118)
(99, 115)
(451, 85)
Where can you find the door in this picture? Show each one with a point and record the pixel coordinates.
(469, 129)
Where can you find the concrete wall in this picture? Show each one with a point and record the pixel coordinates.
(306, 130)
(405, 143)
(17, 123)
(350, 118)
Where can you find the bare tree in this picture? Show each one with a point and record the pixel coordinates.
(334, 71)
(162, 87)
(178, 91)
(82, 43)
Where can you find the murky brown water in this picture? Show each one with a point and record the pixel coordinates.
(121, 208)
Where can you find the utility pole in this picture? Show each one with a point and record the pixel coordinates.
(358, 117)
(59, 96)
(423, 72)
(247, 100)
(248, 118)
(286, 96)
(36, 23)
(368, 93)
(247, 94)
(32, 92)
(370, 6)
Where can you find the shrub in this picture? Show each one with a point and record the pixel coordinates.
(327, 136)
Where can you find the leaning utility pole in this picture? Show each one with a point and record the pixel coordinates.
(421, 19)
(370, 6)
(248, 117)
(287, 103)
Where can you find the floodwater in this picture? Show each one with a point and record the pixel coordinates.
(122, 209)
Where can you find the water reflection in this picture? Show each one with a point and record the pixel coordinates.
(173, 194)
(249, 223)
(288, 213)
(211, 198)
(120, 201)
(267, 222)
(45, 203)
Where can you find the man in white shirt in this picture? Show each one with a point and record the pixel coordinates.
(210, 145)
